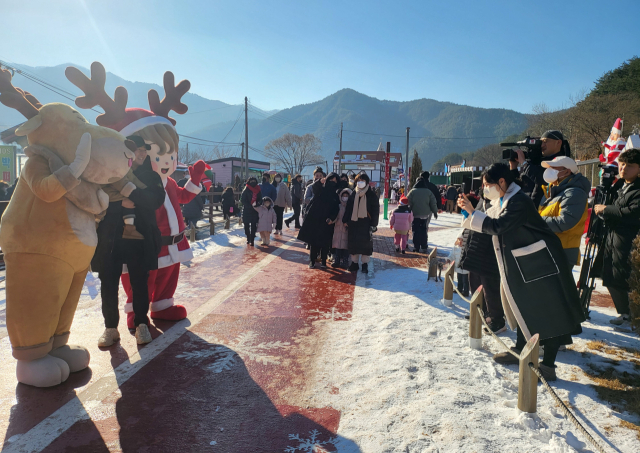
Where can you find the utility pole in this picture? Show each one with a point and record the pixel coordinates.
(340, 155)
(246, 133)
(406, 167)
(244, 180)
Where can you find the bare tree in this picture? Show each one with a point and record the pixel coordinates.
(294, 152)
(487, 155)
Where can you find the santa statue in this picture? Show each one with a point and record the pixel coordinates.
(158, 130)
(614, 145)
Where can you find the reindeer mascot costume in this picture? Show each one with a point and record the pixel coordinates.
(48, 232)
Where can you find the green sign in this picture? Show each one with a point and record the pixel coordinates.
(8, 163)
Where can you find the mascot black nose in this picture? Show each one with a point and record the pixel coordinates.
(131, 145)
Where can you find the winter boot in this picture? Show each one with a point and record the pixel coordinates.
(312, 264)
(404, 252)
(365, 268)
(287, 223)
(130, 232)
(354, 267)
(227, 224)
(397, 249)
(336, 263)
(323, 265)
(109, 336)
(497, 325)
(143, 335)
(506, 358)
(548, 372)
(620, 320)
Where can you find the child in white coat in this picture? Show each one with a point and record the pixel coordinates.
(463, 276)
(267, 219)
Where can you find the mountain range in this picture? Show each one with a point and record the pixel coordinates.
(436, 128)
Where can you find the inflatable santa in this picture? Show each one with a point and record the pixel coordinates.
(614, 145)
(158, 130)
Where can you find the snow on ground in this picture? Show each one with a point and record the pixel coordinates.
(404, 380)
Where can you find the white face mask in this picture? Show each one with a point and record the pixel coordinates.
(278, 179)
(361, 184)
(492, 192)
(550, 175)
(345, 199)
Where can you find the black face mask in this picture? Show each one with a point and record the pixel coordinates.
(330, 183)
(253, 183)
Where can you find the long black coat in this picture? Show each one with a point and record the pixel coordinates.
(535, 274)
(193, 209)
(622, 220)
(248, 213)
(324, 205)
(477, 254)
(359, 233)
(111, 246)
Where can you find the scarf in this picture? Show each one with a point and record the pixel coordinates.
(254, 192)
(359, 204)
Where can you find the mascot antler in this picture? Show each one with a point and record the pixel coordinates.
(172, 95)
(95, 94)
(15, 98)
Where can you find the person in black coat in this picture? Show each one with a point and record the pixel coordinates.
(251, 196)
(622, 219)
(361, 217)
(297, 195)
(192, 211)
(479, 259)
(140, 257)
(536, 277)
(317, 229)
(217, 190)
(228, 203)
(425, 175)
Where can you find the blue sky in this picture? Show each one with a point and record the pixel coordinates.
(510, 54)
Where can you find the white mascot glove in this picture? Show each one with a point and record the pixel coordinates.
(83, 155)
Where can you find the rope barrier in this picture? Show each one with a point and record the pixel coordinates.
(456, 290)
(507, 348)
(566, 410)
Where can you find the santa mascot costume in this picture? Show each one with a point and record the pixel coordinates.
(158, 130)
(614, 145)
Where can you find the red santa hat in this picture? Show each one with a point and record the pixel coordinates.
(136, 119)
(617, 127)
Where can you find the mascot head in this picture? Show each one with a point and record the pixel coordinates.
(59, 128)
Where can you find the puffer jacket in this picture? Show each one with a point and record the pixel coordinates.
(340, 236)
(455, 256)
(283, 198)
(564, 209)
(477, 254)
(266, 216)
(401, 220)
(422, 201)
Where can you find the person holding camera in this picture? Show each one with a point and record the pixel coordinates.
(622, 219)
(564, 204)
(532, 174)
(541, 294)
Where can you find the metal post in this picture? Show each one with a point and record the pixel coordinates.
(528, 380)
(246, 134)
(406, 167)
(340, 152)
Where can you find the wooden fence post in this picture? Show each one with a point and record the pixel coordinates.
(475, 321)
(528, 382)
(227, 224)
(212, 227)
(192, 235)
(447, 297)
(433, 263)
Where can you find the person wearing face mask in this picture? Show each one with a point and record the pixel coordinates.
(540, 292)
(266, 188)
(361, 215)
(564, 203)
(532, 173)
(296, 201)
(282, 200)
(317, 229)
(340, 240)
(251, 197)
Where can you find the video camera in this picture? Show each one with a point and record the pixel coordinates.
(533, 151)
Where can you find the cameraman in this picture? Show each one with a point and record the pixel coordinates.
(622, 219)
(553, 145)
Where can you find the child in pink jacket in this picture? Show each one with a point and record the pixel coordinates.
(400, 222)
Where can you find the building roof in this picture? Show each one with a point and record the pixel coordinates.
(370, 156)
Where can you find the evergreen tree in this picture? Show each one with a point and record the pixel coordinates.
(416, 169)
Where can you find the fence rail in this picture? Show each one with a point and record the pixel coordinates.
(528, 373)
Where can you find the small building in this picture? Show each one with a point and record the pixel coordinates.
(225, 170)
(463, 176)
(372, 162)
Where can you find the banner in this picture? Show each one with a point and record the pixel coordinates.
(8, 163)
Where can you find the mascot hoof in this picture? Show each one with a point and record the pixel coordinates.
(44, 372)
(173, 313)
(130, 320)
(76, 357)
